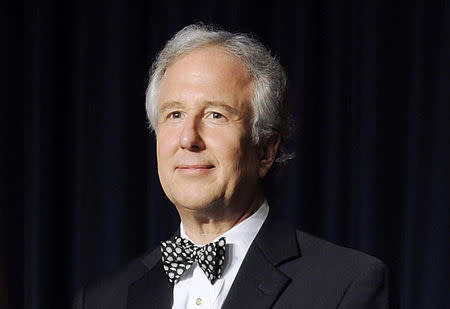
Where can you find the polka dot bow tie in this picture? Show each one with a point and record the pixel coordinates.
(178, 255)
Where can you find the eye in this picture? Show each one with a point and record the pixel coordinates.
(215, 115)
(175, 115)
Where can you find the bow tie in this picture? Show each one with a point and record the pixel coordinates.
(178, 255)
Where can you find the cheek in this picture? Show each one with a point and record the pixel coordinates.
(231, 152)
(165, 143)
(164, 151)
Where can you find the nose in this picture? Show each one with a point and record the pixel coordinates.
(190, 137)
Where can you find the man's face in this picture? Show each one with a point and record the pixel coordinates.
(205, 153)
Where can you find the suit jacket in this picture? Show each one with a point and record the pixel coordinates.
(283, 268)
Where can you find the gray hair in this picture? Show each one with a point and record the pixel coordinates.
(269, 104)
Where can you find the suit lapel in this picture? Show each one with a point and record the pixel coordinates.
(153, 289)
(259, 282)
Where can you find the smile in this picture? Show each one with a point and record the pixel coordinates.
(194, 169)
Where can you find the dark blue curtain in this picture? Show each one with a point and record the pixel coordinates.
(370, 92)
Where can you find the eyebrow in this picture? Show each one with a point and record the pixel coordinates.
(223, 105)
(175, 104)
(169, 105)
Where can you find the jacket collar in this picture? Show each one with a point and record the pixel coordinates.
(153, 289)
(258, 283)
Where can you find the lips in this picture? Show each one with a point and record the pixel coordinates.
(194, 168)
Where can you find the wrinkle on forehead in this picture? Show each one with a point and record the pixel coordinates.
(217, 49)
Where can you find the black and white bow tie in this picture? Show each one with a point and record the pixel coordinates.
(178, 255)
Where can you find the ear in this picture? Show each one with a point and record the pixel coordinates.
(268, 153)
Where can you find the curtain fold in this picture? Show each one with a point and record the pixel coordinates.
(369, 88)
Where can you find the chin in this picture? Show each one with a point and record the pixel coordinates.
(195, 203)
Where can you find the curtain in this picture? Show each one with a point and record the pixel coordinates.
(369, 90)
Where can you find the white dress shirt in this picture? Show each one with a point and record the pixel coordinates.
(194, 290)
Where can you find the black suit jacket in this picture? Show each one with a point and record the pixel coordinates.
(283, 268)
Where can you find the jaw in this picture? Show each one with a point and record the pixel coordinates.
(204, 197)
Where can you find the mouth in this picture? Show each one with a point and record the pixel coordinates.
(194, 169)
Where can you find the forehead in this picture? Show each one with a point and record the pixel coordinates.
(206, 70)
(209, 55)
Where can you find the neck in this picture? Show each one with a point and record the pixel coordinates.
(204, 226)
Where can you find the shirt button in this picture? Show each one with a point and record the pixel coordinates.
(198, 302)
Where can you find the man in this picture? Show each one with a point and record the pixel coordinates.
(216, 103)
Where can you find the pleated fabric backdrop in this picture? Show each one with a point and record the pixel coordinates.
(369, 88)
